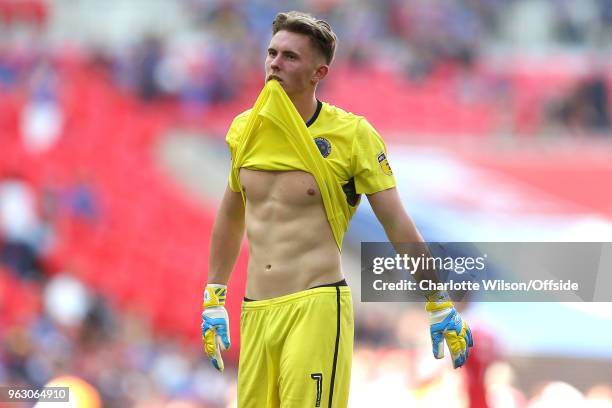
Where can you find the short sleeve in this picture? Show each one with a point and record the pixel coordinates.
(231, 138)
(370, 163)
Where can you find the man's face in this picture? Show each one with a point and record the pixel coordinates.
(293, 62)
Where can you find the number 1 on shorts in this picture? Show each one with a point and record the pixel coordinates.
(318, 377)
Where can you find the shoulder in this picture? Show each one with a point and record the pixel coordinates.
(238, 124)
(338, 114)
(357, 124)
(240, 119)
(337, 121)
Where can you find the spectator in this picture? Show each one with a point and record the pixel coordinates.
(42, 119)
(20, 228)
(586, 108)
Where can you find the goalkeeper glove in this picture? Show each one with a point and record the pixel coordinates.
(446, 324)
(215, 324)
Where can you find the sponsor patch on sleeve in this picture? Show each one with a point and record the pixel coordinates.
(384, 164)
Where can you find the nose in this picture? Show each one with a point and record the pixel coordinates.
(274, 64)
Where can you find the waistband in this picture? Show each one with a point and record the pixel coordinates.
(332, 285)
(292, 297)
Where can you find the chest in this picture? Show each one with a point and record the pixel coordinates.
(295, 188)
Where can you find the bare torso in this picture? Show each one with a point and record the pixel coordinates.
(291, 245)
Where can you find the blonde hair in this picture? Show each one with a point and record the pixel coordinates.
(319, 31)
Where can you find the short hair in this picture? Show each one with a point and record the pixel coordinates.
(319, 31)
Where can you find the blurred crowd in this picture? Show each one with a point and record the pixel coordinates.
(391, 35)
(124, 361)
(212, 57)
(116, 359)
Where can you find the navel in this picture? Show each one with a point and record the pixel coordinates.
(311, 191)
(268, 267)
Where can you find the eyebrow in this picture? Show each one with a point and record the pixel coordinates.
(288, 52)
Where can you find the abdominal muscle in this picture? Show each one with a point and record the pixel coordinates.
(291, 245)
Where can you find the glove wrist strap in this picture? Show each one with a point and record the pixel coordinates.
(438, 300)
(214, 295)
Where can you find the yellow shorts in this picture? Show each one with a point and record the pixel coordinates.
(296, 350)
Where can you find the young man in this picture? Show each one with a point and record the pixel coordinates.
(299, 167)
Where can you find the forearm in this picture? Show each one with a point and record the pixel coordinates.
(224, 249)
(406, 239)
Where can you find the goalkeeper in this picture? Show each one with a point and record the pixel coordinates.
(299, 168)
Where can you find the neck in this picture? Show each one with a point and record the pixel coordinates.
(306, 105)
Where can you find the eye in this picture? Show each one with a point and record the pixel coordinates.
(291, 57)
(271, 53)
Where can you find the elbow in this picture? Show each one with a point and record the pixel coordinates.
(402, 230)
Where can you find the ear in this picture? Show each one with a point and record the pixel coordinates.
(319, 74)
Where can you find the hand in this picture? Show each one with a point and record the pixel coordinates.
(446, 324)
(215, 324)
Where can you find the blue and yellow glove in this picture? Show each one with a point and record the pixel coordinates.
(215, 324)
(446, 324)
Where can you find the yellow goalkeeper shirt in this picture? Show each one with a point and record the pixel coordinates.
(343, 152)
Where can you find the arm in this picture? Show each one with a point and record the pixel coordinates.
(225, 242)
(445, 322)
(226, 238)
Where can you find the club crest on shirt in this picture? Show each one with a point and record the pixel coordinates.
(323, 145)
(384, 164)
